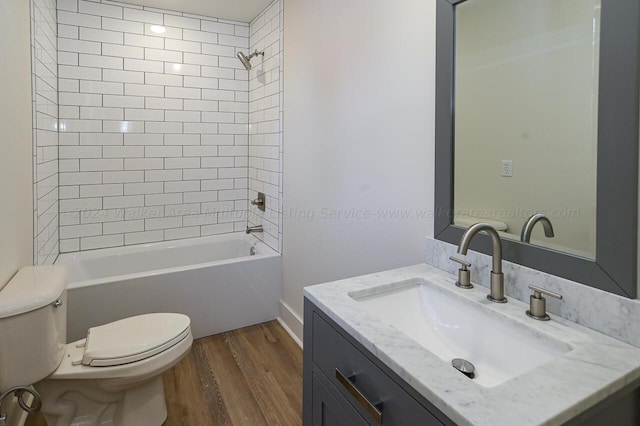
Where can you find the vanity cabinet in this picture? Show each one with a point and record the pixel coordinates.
(344, 384)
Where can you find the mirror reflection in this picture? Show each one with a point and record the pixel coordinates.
(526, 114)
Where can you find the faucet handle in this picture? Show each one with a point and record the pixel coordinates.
(538, 304)
(464, 275)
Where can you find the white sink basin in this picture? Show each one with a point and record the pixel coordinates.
(452, 326)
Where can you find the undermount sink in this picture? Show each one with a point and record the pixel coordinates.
(452, 326)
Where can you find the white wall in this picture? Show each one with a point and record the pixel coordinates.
(16, 227)
(359, 138)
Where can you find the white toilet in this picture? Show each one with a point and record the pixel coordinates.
(111, 378)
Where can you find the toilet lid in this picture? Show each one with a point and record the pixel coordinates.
(133, 339)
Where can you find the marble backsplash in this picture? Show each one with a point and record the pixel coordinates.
(607, 313)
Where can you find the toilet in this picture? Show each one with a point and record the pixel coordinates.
(110, 378)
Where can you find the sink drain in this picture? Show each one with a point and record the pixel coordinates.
(464, 366)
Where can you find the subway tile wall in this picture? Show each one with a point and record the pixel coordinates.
(153, 127)
(44, 91)
(265, 118)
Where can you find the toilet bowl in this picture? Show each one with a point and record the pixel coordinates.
(110, 378)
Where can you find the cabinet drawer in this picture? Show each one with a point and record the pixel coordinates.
(361, 382)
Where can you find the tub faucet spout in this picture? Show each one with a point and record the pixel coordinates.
(251, 229)
(497, 277)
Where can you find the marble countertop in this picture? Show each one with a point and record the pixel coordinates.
(550, 394)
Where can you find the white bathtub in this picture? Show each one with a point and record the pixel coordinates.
(215, 280)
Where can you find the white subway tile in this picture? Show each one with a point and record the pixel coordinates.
(183, 93)
(143, 188)
(142, 65)
(201, 82)
(79, 152)
(162, 55)
(101, 216)
(143, 16)
(142, 90)
(200, 151)
(122, 151)
(66, 192)
(161, 127)
(109, 126)
(163, 223)
(80, 204)
(200, 174)
(92, 8)
(162, 151)
(75, 231)
(101, 87)
(182, 116)
(183, 46)
(123, 227)
(81, 178)
(90, 243)
(222, 228)
(200, 196)
(201, 128)
(81, 73)
(70, 218)
(144, 114)
(162, 175)
(123, 76)
(234, 41)
(234, 107)
(171, 139)
(67, 5)
(122, 51)
(181, 163)
(67, 85)
(216, 72)
(218, 27)
(162, 199)
(80, 99)
(179, 233)
(181, 22)
(232, 194)
(103, 190)
(122, 25)
(78, 19)
(198, 59)
(103, 36)
(163, 79)
(232, 129)
(143, 41)
(164, 103)
(99, 113)
(218, 95)
(181, 69)
(218, 117)
(123, 202)
(68, 58)
(143, 139)
(69, 125)
(200, 36)
(68, 246)
(71, 165)
(123, 177)
(68, 112)
(98, 165)
(181, 186)
(241, 31)
(170, 32)
(217, 50)
(197, 105)
(232, 85)
(143, 237)
(123, 101)
(143, 163)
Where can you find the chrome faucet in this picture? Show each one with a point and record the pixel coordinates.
(525, 235)
(496, 293)
(251, 229)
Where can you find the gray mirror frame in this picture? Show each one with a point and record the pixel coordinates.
(615, 267)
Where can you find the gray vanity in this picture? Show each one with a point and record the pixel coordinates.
(366, 365)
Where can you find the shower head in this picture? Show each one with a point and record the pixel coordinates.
(246, 60)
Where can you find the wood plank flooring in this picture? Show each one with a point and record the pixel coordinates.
(251, 376)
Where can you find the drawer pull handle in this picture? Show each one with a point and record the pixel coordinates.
(375, 410)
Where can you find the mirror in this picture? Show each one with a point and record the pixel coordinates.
(537, 113)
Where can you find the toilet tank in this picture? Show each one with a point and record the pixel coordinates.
(33, 325)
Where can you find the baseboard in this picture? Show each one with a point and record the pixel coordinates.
(291, 322)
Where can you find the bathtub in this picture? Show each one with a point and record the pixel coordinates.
(222, 282)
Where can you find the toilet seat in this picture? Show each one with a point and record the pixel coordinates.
(133, 339)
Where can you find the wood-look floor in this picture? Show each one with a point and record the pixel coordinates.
(251, 376)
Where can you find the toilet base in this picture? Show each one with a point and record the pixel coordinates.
(87, 403)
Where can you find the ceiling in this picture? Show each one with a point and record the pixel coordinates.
(235, 10)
